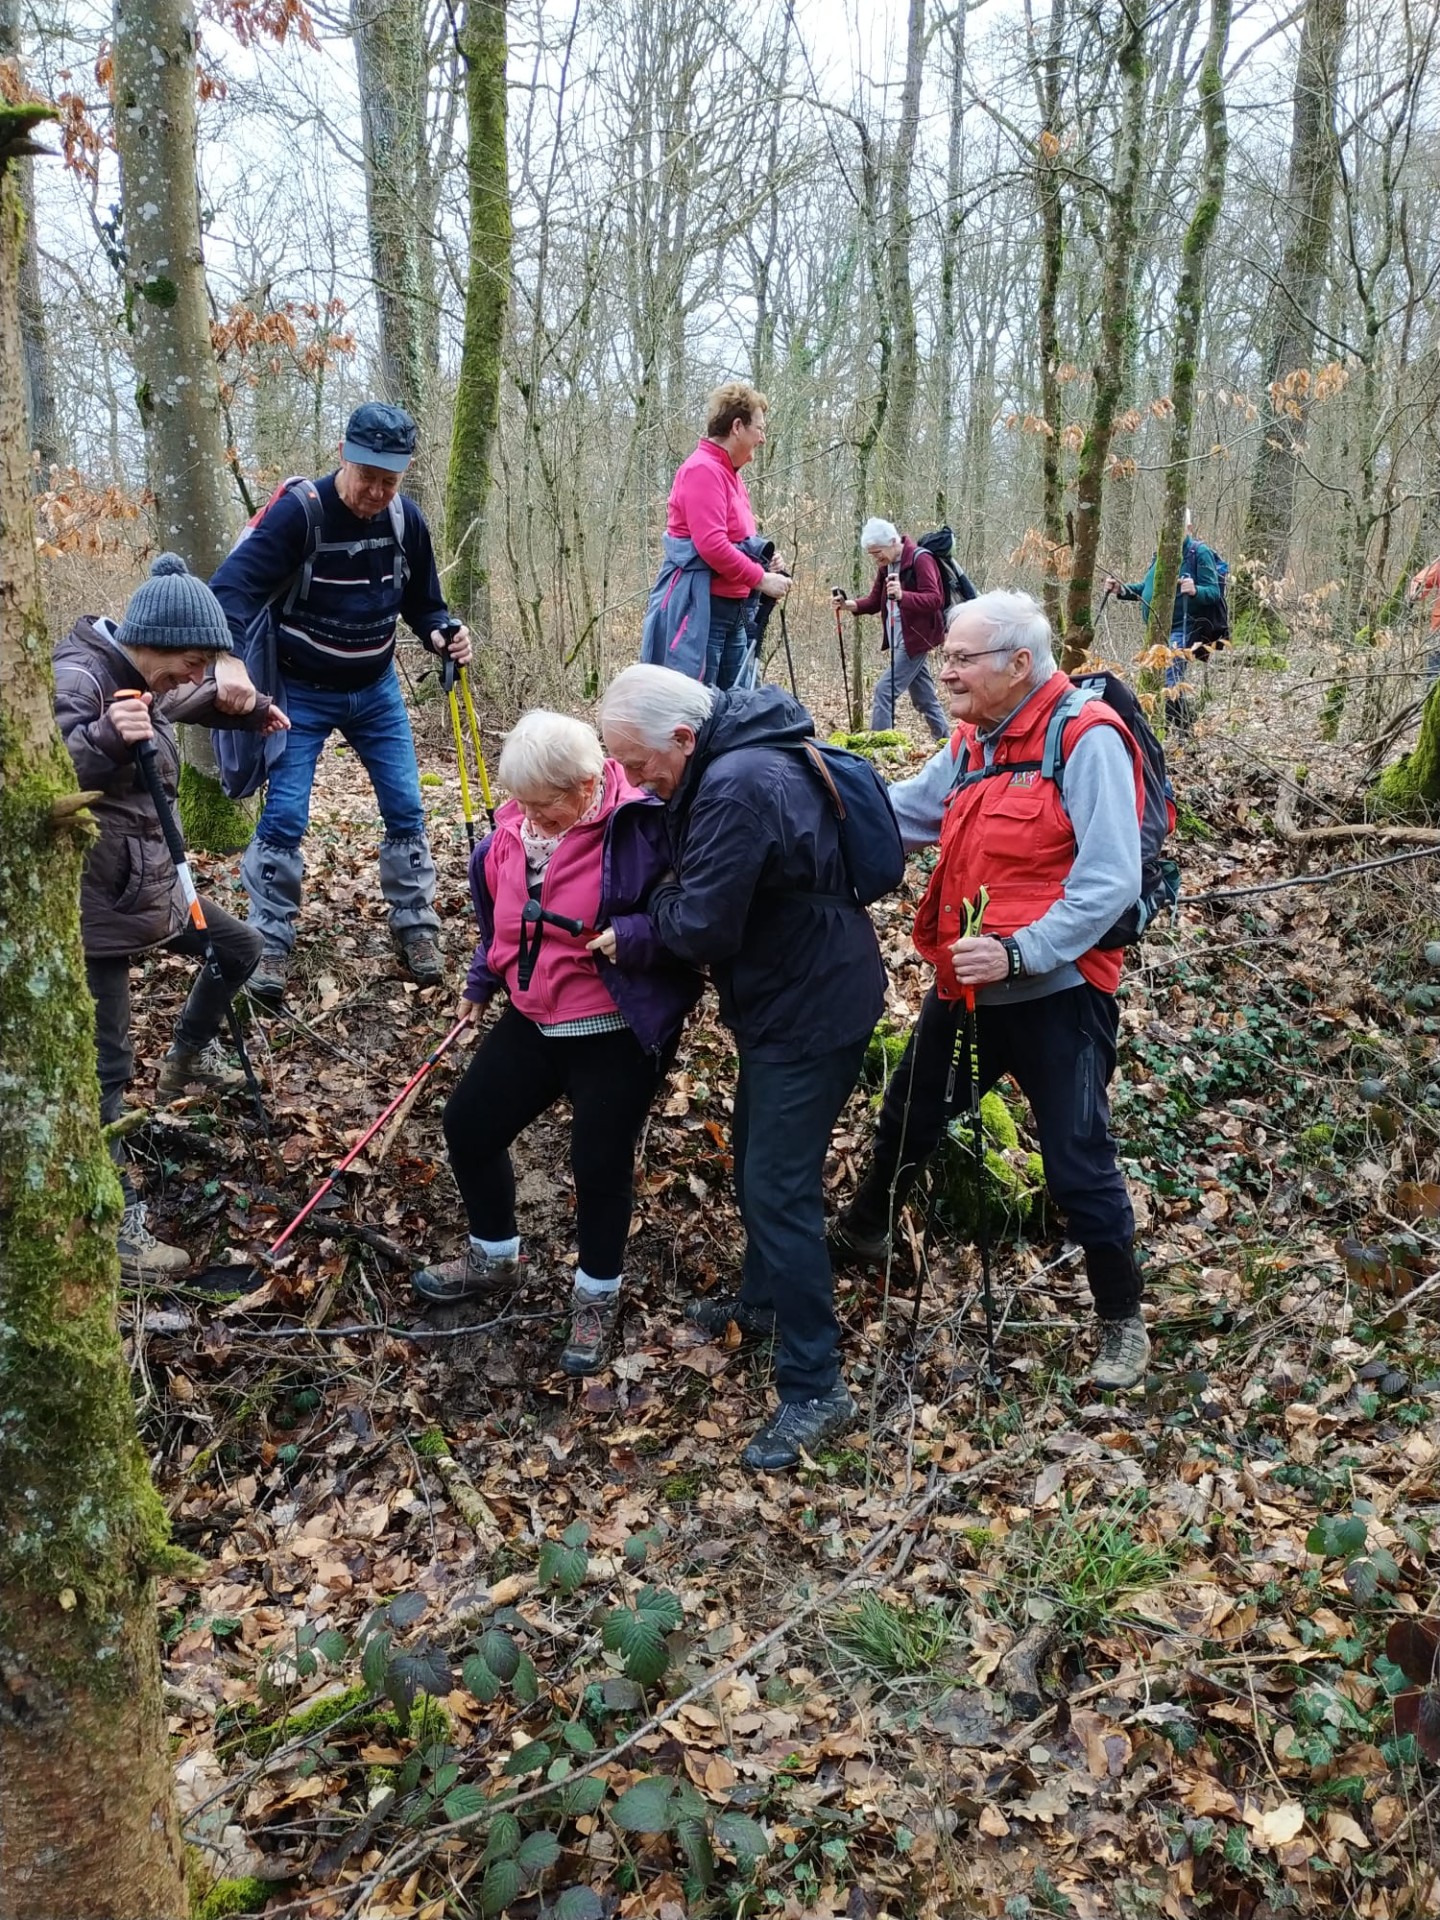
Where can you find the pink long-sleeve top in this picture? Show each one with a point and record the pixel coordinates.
(709, 505)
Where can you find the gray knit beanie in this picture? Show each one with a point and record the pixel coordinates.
(173, 610)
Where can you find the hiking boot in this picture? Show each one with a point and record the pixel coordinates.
(719, 1311)
(799, 1426)
(420, 955)
(593, 1319)
(850, 1243)
(142, 1256)
(267, 982)
(469, 1276)
(206, 1066)
(1124, 1354)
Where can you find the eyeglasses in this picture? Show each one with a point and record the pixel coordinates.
(969, 659)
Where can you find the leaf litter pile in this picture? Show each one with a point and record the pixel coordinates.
(475, 1638)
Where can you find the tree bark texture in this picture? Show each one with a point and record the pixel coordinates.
(87, 1815)
(390, 54)
(1052, 260)
(487, 295)
(1189, 303)
(896, 450)
(42, 418)
(1116, 320)
(178, 387)
(1294, 306)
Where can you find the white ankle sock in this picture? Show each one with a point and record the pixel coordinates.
(594, 1289)
(497, 1249)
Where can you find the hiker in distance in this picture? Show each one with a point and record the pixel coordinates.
(761, 895)
(337, 562)
(710, 580)
(117, 685)
(591, 1016)
(1060, 869)
(1197, 619)
(909, 593)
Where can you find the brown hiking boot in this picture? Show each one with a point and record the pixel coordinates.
(1124, 1354)
(593, 1319)
(207, 1066)
(420, 955)
(142, 1257)
(469, 1276)
(267, 983)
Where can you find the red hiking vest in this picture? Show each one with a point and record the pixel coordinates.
(1013, 837)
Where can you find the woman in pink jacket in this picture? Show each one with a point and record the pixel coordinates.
(710, 508)
(595, 1006)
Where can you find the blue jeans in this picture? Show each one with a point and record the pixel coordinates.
(784, 1112)
(729, 641)
(374, 722)
(900, 673)
(1177, 668)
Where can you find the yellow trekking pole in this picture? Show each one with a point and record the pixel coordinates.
(447, 680)
(475, 741)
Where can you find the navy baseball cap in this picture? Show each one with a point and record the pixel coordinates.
(377, 435)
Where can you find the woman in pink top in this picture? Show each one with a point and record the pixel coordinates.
(595, 1006)
(710, 507)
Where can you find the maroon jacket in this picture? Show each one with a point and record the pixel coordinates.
(922, 608)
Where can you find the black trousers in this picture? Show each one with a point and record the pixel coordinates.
(237, 947)
(1060, 1050)
(516, 1075)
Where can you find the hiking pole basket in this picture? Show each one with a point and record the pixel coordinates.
(150, 773)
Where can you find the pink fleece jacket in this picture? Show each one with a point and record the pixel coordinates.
(709, 505)
(566, 984)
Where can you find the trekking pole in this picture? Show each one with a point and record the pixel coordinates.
(892, 622)
(789, 657)
(967, 1038)
(170, 827)
(328, 1182)
(448, 675)
(474, 725)
(837, 594)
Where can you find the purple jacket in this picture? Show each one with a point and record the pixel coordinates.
(649, 985)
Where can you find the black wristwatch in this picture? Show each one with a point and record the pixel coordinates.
(1013, 955)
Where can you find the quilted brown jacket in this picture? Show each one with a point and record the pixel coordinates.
(130, 895)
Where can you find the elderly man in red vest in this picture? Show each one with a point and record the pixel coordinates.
(1060, 863)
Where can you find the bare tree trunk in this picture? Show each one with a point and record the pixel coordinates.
(950, 262)
(178, 389)
(1116, 320)
(43, 439)
(390, 56)
(1290, 348)
(87, 1813)
(1047, 324)
(896, 451)
(1189, 301)
(477, 396)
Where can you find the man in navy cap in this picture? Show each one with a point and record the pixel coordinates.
(339, 561)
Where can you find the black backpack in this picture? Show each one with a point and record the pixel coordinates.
(940, 546)
(869, 832)
(1159, 876)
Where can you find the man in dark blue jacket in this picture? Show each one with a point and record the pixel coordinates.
(373, 563)
(761, 897)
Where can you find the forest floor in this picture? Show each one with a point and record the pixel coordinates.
(1027, 1651)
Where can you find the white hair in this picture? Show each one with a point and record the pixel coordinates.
(1014, 621)
(550, 753)
(878, 533)
(651, 702)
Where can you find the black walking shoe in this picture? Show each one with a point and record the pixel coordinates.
(850, 1243)
(720, 1310)
(799, 1426)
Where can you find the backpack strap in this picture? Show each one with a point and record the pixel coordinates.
(298, 591)
(1052, 759)
(397, 528)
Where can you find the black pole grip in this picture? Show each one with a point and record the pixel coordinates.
(150, 774)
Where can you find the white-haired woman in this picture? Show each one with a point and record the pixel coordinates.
(595, 1007)
(911, 594)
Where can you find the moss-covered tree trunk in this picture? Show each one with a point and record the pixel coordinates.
(1299, 288)
(1409, 789)
(487, 294)
(178, 387)
(1048, 149)
(42, 415)
(87, 1812)
(1117, 317)
(1189, 302)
